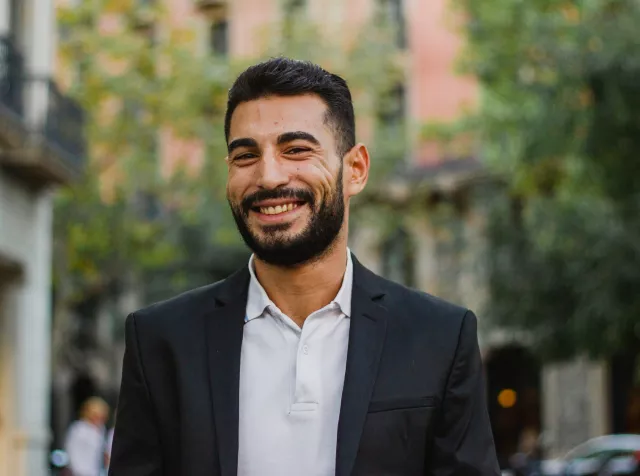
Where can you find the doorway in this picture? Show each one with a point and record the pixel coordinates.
(513, 391)
(625, 392)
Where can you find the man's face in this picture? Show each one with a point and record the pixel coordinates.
(285, 183)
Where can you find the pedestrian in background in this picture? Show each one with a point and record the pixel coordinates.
(526, 462)
(85, 440)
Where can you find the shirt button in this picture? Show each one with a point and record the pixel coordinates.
(305, 349)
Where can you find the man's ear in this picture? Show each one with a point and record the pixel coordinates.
(356, 169)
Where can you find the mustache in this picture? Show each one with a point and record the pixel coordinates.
(298, 194)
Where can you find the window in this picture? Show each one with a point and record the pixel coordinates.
(392, 107)
(295, 5)
(398, 258)
(219, 38)
(292, 9)
(394, 12)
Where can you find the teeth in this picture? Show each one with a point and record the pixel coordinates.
(278, 209)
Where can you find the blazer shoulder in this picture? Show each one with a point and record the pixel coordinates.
(180, 307)
(423, 308)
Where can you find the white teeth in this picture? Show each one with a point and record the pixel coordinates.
(278, 209)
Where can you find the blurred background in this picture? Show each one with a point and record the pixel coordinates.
(505, 137)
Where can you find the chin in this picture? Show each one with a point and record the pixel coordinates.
(284, 230)
(276, 240)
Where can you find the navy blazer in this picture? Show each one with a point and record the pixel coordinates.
(413, 402)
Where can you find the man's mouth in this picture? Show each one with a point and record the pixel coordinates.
(279, 207)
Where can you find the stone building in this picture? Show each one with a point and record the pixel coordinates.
(437, 242)
(41, 147)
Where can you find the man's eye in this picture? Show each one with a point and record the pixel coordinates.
(246, 156)
(297, 150)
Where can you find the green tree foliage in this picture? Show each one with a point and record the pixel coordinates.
(560, 124)
(143, 78)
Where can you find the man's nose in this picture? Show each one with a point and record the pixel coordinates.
(272, 173)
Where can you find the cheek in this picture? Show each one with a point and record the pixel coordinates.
(237, 184)
(321, 179)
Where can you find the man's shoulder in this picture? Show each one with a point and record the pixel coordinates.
(420, 308)
(182, 307)
(189, 298)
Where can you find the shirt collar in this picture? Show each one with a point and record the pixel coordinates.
(258, 300)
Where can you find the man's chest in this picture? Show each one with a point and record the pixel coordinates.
(290, 390)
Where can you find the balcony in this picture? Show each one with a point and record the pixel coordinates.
(211, 6)
(143, 16)
(41, 129)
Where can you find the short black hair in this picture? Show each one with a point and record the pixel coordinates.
(288, 77)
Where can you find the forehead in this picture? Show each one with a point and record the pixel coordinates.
(268, 117)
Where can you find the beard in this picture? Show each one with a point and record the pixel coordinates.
(314, 241)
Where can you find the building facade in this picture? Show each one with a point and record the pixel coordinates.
(41, 146)
(438, 246)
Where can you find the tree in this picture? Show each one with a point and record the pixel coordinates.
(559, 123)
(144, 87)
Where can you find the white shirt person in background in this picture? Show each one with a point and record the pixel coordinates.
(85, 440)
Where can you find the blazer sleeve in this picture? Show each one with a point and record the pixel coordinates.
(463, 443)
(136, 447)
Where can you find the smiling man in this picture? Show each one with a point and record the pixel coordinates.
(303, 363)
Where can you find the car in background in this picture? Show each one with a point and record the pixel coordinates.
(610, 455)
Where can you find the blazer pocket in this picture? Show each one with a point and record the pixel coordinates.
(401, 404)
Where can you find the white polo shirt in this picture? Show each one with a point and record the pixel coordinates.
(291, 383)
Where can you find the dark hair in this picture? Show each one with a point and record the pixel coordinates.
(288, 77)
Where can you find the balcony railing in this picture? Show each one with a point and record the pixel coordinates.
(43, 127)
(64, 124)
(211, 5)
(11, 75)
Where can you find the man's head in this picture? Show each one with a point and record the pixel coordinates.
(95, 411)
(293, 160)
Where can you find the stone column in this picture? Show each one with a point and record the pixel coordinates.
(33, 344)
(575, 405)
(5, 17)
(40, 45)
(426, 266)
(364, 242)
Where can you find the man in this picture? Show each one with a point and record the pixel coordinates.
(304, 363)
(85, 438)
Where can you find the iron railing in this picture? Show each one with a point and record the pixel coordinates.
(41, 107)
(64, 124)
(11, 77)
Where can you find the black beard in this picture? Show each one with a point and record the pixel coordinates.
(310, 244)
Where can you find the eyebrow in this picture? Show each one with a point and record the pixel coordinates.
(282, 139)
(291, 136)
(242, 142)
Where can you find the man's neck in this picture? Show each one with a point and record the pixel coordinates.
(301, 290)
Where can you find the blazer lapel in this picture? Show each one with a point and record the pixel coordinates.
(223, 333)
(366, 341)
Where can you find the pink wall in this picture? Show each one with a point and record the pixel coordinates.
(435, 91)
(248, 22)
